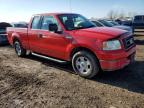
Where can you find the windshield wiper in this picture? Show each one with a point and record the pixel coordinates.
(91, 26)
(85, 27)
(76, 28)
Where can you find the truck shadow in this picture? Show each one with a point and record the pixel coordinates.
(130, 78)
(62, 66)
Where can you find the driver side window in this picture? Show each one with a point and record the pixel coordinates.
(48, 20)
(78, 20)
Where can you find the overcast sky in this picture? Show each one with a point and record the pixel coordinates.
(21, 10)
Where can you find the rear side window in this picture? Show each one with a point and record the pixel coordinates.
(35, 22)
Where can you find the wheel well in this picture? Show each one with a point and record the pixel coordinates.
(75, 50)
(15, 39)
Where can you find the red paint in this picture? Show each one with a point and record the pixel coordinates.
(58, 46)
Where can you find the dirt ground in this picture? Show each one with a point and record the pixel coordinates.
(38, 83)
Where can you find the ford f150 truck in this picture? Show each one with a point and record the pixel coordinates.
(71, 37)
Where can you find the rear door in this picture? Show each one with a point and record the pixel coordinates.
(52, 44)
(33, 34)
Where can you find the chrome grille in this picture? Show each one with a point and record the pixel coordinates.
(128, 42)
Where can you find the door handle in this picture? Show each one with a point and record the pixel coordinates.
(68, 37)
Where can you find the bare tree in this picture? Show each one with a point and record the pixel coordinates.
(119, 14)
(131, 14)
(112, 15)
(122, 15)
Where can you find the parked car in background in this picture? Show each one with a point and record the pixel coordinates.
(108, 23)
(113, 22)
(20, 25)
(138, 22)
(3, 34)
(71, 37)
(127, 23)
(118, 21)
(97, 23)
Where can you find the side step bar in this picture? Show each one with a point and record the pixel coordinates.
(49, 58)
(3, 34)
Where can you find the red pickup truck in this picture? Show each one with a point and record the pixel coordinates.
(71, 37)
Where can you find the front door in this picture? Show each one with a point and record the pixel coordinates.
(52, 44)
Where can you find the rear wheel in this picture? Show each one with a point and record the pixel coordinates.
(20, 51)
(85, 64)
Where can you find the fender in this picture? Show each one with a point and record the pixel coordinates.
(72, 47)
(15, 36)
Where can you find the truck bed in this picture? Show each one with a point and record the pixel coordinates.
(18, 32)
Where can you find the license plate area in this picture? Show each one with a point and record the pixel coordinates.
(132, 58)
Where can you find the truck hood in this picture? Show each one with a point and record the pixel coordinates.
(103, 33)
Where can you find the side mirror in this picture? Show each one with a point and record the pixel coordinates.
(53, 28)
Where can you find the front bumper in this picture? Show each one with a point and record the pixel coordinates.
(118, 61)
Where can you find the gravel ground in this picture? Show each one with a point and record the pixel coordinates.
(33, 82)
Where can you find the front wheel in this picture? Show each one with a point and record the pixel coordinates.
(85, 64)
(20, 51)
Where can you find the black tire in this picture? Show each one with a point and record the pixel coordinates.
(20, 51)
(88, 67)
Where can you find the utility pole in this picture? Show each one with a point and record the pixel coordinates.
(70, 5)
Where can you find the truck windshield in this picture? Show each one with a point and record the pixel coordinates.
(75, 21)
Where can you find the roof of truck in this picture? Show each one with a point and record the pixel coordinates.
(53, 14)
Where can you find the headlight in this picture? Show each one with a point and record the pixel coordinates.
(111, 45)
